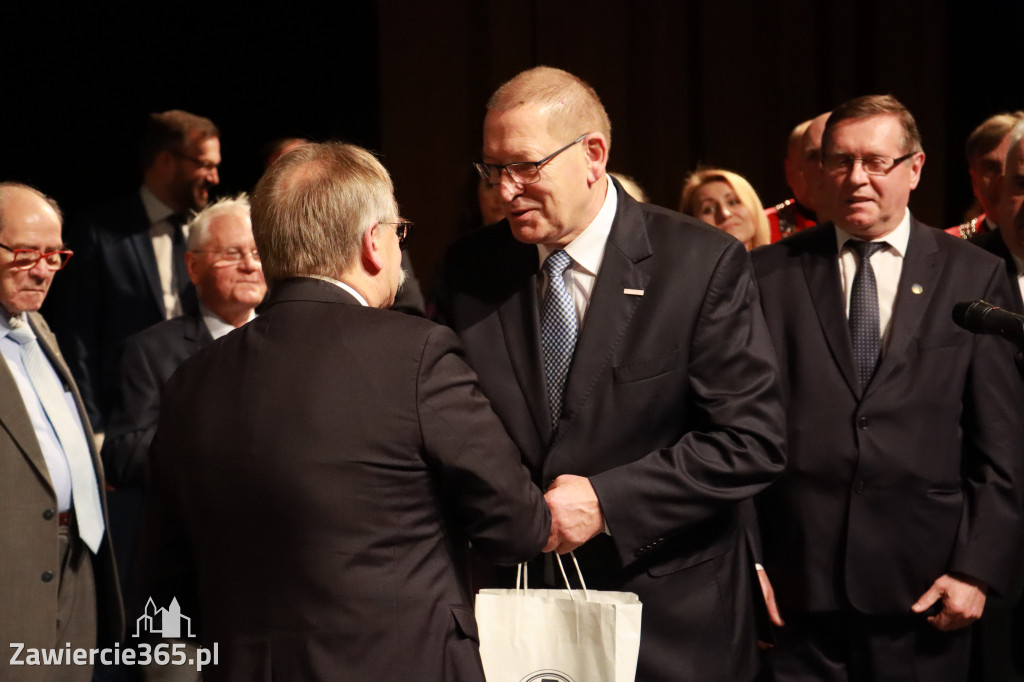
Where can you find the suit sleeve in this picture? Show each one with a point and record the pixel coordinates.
(736, 447)
(993, 447)
(479, 469)
(133, 418)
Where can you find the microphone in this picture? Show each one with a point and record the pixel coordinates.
(981, 317)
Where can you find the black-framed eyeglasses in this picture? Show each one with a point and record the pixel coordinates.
(521, 172)
(836, 164)
(402, 228)
(26, 259)
(233, 256)
(205, 165)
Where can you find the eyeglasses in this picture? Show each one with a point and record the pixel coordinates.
(205, 165)
(26, 259)
(840, 164)
(233, 256)
(402, 228)
(521, 172)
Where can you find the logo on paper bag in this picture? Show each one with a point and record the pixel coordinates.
(547, 676)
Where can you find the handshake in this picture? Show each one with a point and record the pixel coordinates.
(575, 513)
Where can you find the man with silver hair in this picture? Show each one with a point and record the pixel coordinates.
(224, 266)
(311, 473)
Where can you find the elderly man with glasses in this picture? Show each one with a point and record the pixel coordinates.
(58, 584)
(902, 494)
(623, 347)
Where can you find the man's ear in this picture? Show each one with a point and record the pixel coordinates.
(596, 149)
(372, 249)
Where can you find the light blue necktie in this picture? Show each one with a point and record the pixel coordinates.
(84, 489)
(864, 326)
(557, 330)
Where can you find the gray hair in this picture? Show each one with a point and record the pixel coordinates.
(199, 225)
(312, 207)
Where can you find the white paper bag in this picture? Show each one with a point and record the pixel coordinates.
(558, 635)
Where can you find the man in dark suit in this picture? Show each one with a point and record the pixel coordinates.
(638, 381)
(313, 470)
(997, 652)
(225, 269)
(903, 479)
(129, 269)
(58, 584)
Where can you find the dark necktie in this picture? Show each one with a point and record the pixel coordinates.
(178, 248)
(864, 327)
(557, 330)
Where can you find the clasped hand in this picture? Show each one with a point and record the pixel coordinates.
(575, 513)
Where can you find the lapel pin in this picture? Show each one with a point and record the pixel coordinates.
(633, 292)
(917, 289)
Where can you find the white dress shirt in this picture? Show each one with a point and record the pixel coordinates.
(587, 253)
(162, 233)
(49, 443)
(887, 264)
(216, 326)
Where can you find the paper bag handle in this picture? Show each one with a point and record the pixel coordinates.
(522, 572)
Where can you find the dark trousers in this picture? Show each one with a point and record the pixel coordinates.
(76, 604)
(851, 647)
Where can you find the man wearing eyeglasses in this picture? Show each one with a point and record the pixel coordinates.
(903, 484)
(58, 583)
(623, 347)
(129, 272)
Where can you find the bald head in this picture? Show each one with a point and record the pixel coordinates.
(571, 105)
(29, 221)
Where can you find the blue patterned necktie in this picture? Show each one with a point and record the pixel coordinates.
(84, 489)
(557, 330)
(864, 326)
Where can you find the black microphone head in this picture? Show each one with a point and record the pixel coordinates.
(969, 314)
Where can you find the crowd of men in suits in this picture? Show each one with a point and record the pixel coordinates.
(796, 449)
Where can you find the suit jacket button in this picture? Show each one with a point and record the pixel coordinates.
(47, 576)
(863, 422)
(859, 488)
(48, 514)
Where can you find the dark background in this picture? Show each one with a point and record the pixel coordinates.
(684, 83)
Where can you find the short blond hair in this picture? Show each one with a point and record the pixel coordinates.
(573, 107)
(744, 192)
(312, 207)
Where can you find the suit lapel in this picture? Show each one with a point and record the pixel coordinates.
(15, 420)
(610, 311)
(821, 270)
(918, 279)
(142, 246)
(195, 332)
(520, 325)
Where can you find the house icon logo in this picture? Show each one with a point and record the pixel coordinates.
(165, 622)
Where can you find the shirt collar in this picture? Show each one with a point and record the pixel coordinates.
(338, 283)
(897, 239)
(216, 325)
(156, 210)
(587, 249)
(7, 323)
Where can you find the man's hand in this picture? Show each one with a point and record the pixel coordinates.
(963, 601)
(575, 513)
(769, 601)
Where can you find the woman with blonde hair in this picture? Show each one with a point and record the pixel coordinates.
(727, 201)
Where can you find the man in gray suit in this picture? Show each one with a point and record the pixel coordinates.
(58, 585)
